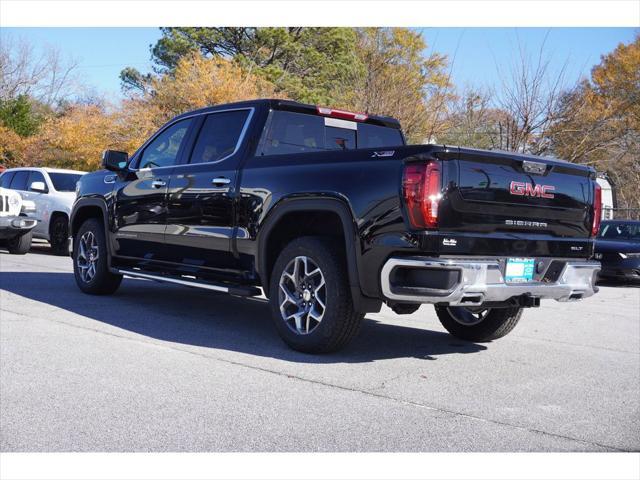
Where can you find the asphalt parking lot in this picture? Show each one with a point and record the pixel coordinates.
(164, 368)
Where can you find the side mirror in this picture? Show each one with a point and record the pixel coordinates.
(39, 187)
(114, 160)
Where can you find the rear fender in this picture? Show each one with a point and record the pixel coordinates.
(351, 244)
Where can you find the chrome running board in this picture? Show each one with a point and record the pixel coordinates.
(239, 290)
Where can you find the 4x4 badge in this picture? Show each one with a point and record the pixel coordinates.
(385, 153)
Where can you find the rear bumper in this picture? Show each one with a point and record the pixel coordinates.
(474, 282)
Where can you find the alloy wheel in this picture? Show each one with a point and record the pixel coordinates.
(88, 254)
(302, 295)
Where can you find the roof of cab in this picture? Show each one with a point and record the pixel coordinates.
(289, 105)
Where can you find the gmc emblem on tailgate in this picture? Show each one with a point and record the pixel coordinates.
(528, 190)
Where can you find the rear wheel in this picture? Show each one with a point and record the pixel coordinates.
(90, 263)
(310, 298)
(20, 245)
(59, 235)
(479, 324)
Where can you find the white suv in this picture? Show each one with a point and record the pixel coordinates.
(15, 226)
(53, 192)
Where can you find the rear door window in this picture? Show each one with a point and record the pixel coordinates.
(36, 177)
(19, 181)
(219, 136)
(290, 132)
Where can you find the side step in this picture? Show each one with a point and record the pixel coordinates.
(238, 290)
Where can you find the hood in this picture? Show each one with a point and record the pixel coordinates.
(615, 246)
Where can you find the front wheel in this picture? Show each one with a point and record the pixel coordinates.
(90, 263)
(478, 324)
(21, 244)
(310, 299)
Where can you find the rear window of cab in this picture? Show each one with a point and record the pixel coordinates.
(291, 132)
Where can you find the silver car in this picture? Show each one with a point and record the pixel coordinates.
(53, 193)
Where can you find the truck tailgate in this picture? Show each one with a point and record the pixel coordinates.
(502, 192)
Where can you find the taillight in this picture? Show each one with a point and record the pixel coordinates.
(335, 113)
(597, 209)
(421, 190)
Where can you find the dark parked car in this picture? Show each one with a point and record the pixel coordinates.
(618, 250)
(330, 213)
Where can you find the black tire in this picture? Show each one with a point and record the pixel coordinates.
(492, 323)
(59, 235)
(339, 322)
(102, 282)
(20, 245)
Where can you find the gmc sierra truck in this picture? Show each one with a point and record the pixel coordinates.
(329, 214)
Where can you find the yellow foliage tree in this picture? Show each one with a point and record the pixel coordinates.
(76, 138)
(199, 82)
(399, 81)
(12, 148)
(599, 123)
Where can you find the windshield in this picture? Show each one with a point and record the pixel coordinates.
(64, 182)
(620, 231)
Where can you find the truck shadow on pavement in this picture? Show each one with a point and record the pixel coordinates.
(204, 319)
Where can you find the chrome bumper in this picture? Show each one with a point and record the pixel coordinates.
(482, 281)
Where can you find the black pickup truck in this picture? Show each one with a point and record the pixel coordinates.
(329, 213)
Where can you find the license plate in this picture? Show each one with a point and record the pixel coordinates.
(519, 270)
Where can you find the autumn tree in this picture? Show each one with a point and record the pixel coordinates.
(195, 82)
(33, 84)
(472, 121)
(399, 81)
(307, 64)
(76, 137)
(12, 148)
(599, 121)
(381, 70)
(528, 99)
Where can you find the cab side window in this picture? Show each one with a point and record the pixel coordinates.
(164, 149)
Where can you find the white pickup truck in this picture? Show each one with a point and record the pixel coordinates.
(15, 227)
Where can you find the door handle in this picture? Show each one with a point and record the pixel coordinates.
(158, 183)
(221, 181)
